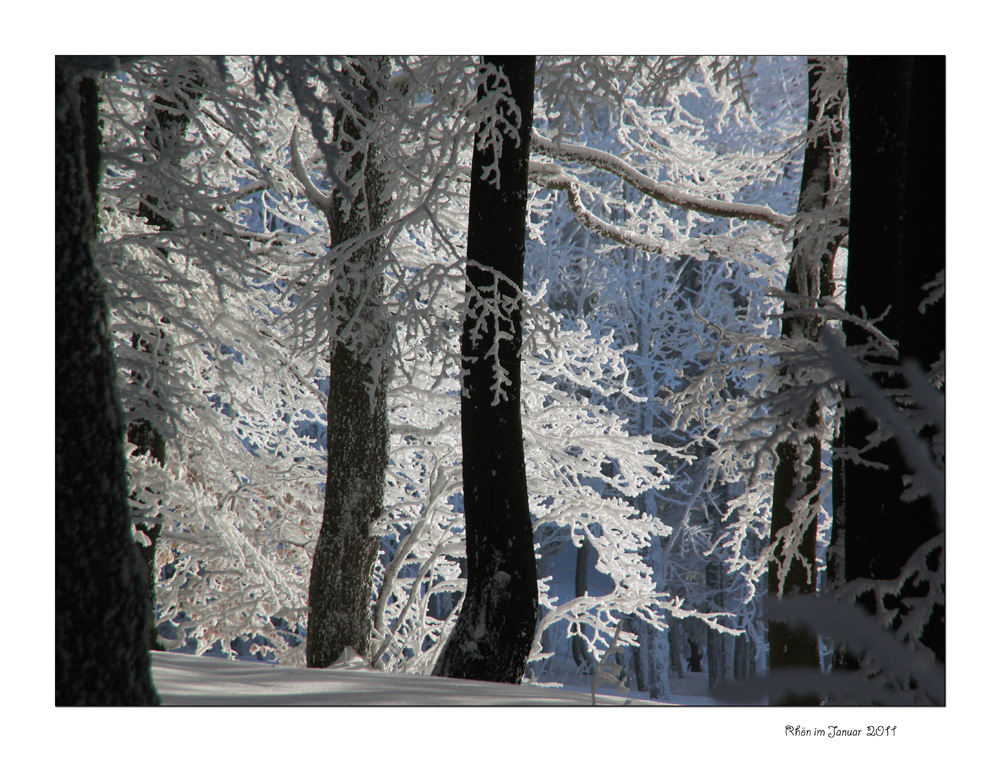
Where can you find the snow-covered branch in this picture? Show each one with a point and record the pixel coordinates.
(553, 177)
(927, 474)
(316, 197)
(657, 190)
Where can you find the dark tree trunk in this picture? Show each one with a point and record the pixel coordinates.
(798, 470)
(743, 658)
(101, 596)
(715, 652)
(675, 636)
(492, 636)
(694, 657)
(634, 665)
(656, 662)
(897, 246)
(581, 653)
(715, 644)
(340, 586)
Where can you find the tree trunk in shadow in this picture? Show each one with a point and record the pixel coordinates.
(101, 596)
(493, 633)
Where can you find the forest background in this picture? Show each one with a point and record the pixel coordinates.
(969, 455)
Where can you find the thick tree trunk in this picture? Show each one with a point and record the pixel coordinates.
(101, 598)
(492, 636)
(798, 470)
(340, 586)
(897, 246)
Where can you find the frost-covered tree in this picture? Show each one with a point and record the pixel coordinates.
(493, 633)
(197, 295)
(800, 478)
(164, 131)
(357, 421)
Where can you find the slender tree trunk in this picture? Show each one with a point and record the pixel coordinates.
(743, 660)
(492, 636)
(675, 636)
(340, 586)
(798, 470)
(654, 645)
(897, 246)
(101, 598)
(581, 654)
(715, 644)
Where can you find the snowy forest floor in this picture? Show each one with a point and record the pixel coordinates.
(192, 680)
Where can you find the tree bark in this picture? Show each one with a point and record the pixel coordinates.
(493, 633)
(101, 593)
(897, 246)
(340, 586)
(798, 470)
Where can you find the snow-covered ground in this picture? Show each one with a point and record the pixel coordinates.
(190, 680)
